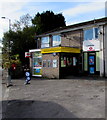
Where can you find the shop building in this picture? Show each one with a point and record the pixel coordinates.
(76, 49)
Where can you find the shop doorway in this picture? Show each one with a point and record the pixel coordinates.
(69, 64)
(92, 63)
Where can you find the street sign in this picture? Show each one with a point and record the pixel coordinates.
(27, 54)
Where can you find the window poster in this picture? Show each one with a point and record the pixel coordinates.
(62, 62)
(55, 63)
(74, 61)
(37, 62)
(49, 63)
(91, 60)
(91, 70)
(37, 71)
(65, 61)
(69, 61)
(44, 63)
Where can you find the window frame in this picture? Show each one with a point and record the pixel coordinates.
(93, 32)
(55, 40)
(46, 43)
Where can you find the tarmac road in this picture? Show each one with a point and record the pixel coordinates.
(67, 98)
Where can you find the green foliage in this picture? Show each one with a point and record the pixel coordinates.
(9, 60)
(20, 42)
(47, 21)
(21, 37)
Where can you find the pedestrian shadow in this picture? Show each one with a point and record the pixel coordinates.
(17, 109)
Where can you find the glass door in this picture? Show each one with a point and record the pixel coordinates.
(91, 63)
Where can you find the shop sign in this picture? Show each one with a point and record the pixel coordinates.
(60, 49)
(27, 54)
(91, 48)
(91, 45)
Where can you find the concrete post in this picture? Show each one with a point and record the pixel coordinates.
(101, 57)
(105, 50)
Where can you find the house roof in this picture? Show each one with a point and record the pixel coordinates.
(76, 26)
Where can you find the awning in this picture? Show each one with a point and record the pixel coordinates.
(60, 49)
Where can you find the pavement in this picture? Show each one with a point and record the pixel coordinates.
(54, 98)
(0, 93)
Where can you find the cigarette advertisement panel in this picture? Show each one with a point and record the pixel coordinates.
(36, 63)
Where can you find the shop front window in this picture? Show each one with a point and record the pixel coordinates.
(56, 40)
(44, 42)
(66, 61)
(91, 34)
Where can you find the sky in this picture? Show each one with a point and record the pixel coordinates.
(74, 11)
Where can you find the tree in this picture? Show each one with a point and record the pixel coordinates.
(21, 37)
(47, 21)
(22, 33)
(20, 42)
(24, 22)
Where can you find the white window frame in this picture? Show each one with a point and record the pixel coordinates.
(93, 28)
(47, 43)
(58, 41)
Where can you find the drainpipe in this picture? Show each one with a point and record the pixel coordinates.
(103, 49)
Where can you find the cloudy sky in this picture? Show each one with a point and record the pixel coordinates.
(74, 11)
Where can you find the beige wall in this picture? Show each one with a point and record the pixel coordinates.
(72, 39)
(50, 72)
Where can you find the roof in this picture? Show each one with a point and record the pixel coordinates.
(78, 25)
